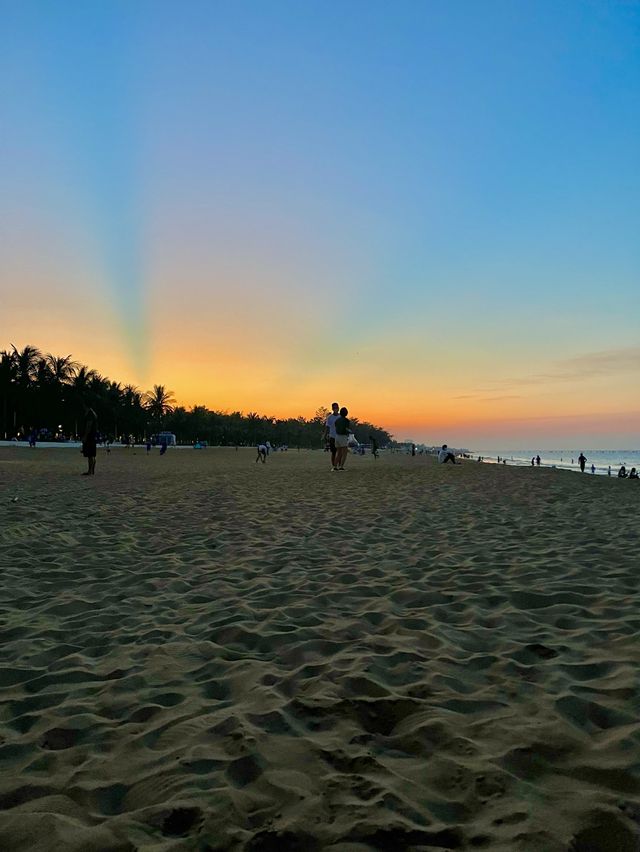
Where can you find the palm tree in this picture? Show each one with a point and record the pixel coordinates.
(81, 378)
(26, 371)
(62, 369)
(43, 376)
(131, 395)
(254, 418)
(26, 362)
(159, 401)
(80, 384)
(114, 399)
(134, 417)
(8, 378)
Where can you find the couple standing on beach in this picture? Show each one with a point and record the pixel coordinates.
(337, 430)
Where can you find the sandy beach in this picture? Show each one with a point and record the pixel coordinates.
(204, 653)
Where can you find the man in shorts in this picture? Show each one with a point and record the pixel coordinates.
(90, 440)
(330, 431)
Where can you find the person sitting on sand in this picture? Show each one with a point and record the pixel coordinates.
(622, 473)
(633, 474)
(445, 455)
(262, 453)
(342, 427)
(90, 440)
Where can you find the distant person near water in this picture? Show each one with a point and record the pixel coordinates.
(582, 460)
(633, 474)
(445, 455)
(538, 460)
(593, 468)
(622, 473)
(262, 453)
(90, 440)
(330, 431)
(343, 430)
(533, 462)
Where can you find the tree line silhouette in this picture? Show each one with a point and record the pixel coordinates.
(46, 394)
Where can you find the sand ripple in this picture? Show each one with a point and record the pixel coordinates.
(200, 653)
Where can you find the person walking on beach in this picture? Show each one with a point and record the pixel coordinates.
(342, 427)
(330, 431)
(374, 446)
(582, 460)
(262, 453)
(445, 455)
(533, 462)
(90, 440)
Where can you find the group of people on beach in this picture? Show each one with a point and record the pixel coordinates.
(337, 431)
(622, 472)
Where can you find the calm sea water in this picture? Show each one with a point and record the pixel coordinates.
(568, 459)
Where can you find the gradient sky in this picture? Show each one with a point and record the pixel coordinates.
(426, 210)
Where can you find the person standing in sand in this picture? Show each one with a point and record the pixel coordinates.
(582, 460)
(343, 430)
(90, 440)
(330, 431)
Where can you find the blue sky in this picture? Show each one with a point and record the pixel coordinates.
(449, 188)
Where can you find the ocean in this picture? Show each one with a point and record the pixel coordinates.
(568, 459)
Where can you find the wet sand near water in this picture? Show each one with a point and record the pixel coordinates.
(203, 653)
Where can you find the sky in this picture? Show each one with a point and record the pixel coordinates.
(427, 211)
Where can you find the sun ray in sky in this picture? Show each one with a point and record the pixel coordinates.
(429, 210)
